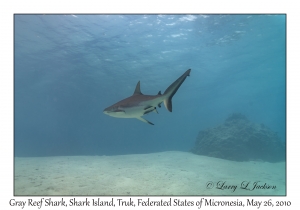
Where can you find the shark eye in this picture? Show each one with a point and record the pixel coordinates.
(116, 109)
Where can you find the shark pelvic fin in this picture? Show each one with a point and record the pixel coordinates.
(150, 109)
(137, 90)
(145, 121)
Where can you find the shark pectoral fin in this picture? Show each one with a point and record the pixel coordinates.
(145, 121)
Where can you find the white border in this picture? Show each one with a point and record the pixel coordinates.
(8, 8)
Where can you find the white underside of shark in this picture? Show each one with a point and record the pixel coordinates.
(139, 104)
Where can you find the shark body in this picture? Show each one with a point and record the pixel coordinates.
(139, 104)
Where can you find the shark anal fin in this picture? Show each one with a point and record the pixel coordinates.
(145, 121)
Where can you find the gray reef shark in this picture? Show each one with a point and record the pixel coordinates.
(139, 104)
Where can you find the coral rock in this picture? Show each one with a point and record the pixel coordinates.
(240, 140)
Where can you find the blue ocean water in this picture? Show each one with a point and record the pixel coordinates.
(68, 68)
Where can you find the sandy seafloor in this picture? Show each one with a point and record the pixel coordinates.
(164, 173)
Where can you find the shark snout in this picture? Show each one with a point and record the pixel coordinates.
(109, 111)
(105, 111)
(114, 111)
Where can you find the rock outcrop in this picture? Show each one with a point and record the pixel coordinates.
(240, 140)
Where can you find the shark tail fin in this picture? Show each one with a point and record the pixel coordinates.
(172, 89)
(168, 104)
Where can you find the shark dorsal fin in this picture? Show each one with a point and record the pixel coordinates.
(137, 90)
